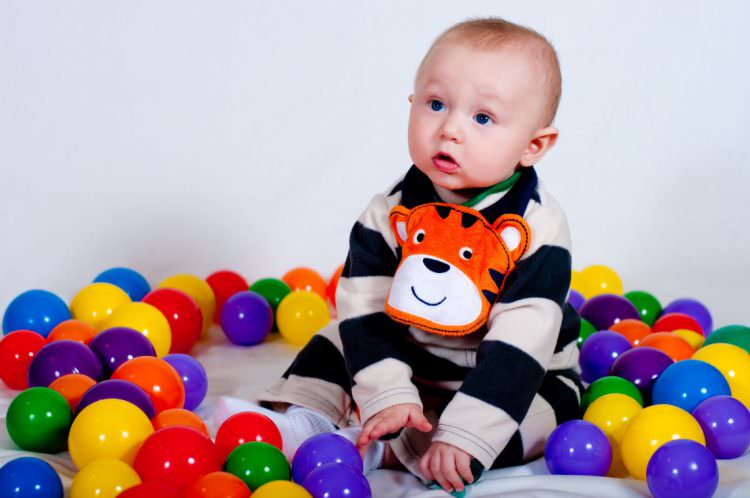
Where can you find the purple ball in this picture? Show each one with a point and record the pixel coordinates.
(321, 450)
(117, 389)
(726, 424)
(578, 447)
(60, 358)
(193, 376)
(692, 308)
(682, 469)
(246, 318)
(576, 299)
(117, 345)
(337, 481)
(641, 366)
(598, 353)
(605, 310)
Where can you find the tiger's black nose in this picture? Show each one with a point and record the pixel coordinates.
(436, 266)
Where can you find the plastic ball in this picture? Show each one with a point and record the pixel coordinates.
(651, 428)
(193, 376)
(73, 330)
(17, 350)
(599, 352)
(676, 321)
(305, 279)
(105, 478)
(257, 463)
(695, 339)
(672, 345)
(576, 299)
(695, 309)
(246, 427)
(29, 477)
(631, 329)
(61, 358)
(150, 490)
(323, 449)
(726, 424)
(578, 447)
(199, 290)
(95, 303)
(649, 308)
(37, 310)
(333, 284)
(109, 428)
(682, 469)
(579, 284)
(246, 318)
(220, 485)
(272, 289)
(337, 481)
(612, 413)
(72, 387)
(145, 319)
(641, 366)
(287, 489)
(117, 345)
(132, 282)
(734, 364)
(585, 331)
(118, 389)
(602, 280)
(687, 383)
(183, 314)
(610, 385)
(180, 417)
(300, 315)
(605, 310)
(38, 419)
(225, 284)
(158, 378)
(739, 335)
(176, 455)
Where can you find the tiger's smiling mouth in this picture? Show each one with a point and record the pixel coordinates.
(414, 293)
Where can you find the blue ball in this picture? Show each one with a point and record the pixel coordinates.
(37, 310)
(132, 282)
(682, 469)
(688, 382)
(578, 447)
(29, 477)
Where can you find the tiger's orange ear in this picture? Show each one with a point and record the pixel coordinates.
(515, 233)
(398, 216)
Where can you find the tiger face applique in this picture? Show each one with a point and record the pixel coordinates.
(453, 265)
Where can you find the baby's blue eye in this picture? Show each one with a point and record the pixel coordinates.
(436, 105)
(482, 118)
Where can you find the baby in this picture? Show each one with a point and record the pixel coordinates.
(462, 356)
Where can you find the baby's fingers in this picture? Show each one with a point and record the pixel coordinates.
(419, 422)
(383, 427)
(463, 464)
(448, 469)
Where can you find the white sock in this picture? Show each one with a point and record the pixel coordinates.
(373, 458)
(296, 425)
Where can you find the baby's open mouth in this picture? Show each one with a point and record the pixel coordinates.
(444, 162)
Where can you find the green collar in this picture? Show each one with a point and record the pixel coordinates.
(498, 187)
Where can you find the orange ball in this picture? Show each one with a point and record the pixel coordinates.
(671, 344)
(305, 279)
(218, 485)
(181, 417)
(332, 284)
(632, 329)
(72, 387)
(72, 330)
(158, 378)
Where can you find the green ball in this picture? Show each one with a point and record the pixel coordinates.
(649, 308)
(257, 463)
(585, 331)
(39, 419)
(739, 335)
(273, 290)
(610, 385)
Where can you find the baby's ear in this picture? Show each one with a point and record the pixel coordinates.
(515, 234)
(398, 217)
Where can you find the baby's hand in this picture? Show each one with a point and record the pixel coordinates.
(391, 420)
(447, 465)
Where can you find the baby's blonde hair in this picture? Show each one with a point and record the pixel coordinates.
(491, 33)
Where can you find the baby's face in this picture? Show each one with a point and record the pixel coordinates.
(473, 114)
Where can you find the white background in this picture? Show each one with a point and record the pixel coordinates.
(185, 137)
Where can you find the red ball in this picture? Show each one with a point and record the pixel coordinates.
(177, 456)
(183, 314)
(676, 321)
(17, 349)
(246, 427)
(150, 490)
(218, 485)
(225, 284)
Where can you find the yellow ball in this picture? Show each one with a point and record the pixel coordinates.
(580, 284)
(95, 303)
(602, 280)
(300, 314)
(695, 339)
(199, 290)
(651, 428)
(109, 428)
(147, 320)
(103, 479)
(734, 364)
(612, 413)
(276, 489)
